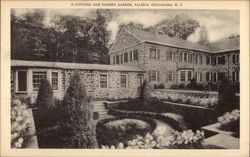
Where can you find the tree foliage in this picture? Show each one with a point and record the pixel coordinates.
(78, 125)
(181, 26)
(64, 38)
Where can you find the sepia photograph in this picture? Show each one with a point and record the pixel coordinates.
(124, 78)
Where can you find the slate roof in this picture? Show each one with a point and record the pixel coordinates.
(218, 46)
(82, 66)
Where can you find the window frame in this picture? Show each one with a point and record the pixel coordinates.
(126, 80)
(32, 77)
(136, 55)
(55, 89)
(17, 82)
(100, 83)
(218, 57)
(153, 57)
(126, 58)
(218, 79)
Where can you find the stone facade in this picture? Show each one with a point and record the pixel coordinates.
(112, 87)
(168, 63)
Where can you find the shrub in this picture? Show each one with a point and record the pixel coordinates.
(227, 98)
(159, 86)
(178, 140)
(145, 91)
(78, 125)
(19, 124)
(230, 120)
(181, 86)
(174, 86)
(96, 115)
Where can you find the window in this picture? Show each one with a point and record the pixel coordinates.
(121, 58)
(37, 78)
(235, 59)
(135, 55)
(190, 59)
(117, 59)
(208, 60)
(131, 56)
(152, 53)
(54, 80)
(213, 60)
(170, 76)
(185, 57)
(196, 59)
(183, 75)
(189, 75)
(21, 81)
(114, 60)
(103, 80)
(221, 76)
(154, 75)
(123, 81)
(199, 76)
(214, 77)
(235, 76)
(221, 60)
(169, 56)
(208, 76)
(180, 56)
(125, 57)
(201, 59)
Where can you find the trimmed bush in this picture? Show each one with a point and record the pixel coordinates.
(181, 86)
(227, 97)
(159, 86)
(145, 92)
(174, 86)
(78, 128)
(46, 106)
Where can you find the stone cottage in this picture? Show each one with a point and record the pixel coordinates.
(173, 61)
(102, 81)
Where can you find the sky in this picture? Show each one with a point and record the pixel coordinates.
(219, 23)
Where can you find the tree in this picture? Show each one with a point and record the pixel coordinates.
(78, 123)
(46, 105)
(227, 97)
(145, 92)
(181, 26)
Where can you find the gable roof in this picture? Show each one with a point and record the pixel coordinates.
(223, 45)
(82, 66)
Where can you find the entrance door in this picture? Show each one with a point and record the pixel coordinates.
(139, 82)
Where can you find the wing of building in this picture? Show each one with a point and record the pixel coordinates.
(172, 61)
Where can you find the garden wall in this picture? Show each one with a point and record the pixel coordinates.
(206, 94)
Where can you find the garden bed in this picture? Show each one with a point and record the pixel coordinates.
(112, 131)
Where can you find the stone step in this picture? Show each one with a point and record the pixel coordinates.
(99, 107)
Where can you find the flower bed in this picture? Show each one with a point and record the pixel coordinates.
(19, 124)
(210, 102)
(178, 140)
(111, 131)
(230, 121)
(161, 116)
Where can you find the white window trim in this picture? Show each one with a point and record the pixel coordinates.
(186, 75)
(155, 81)
(126, 80)
(100, 80)
(16, 82)
(58, 81)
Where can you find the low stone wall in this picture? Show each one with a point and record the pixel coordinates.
(193, 93)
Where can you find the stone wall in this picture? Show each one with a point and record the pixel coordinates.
(91, 79)
(164, 66)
